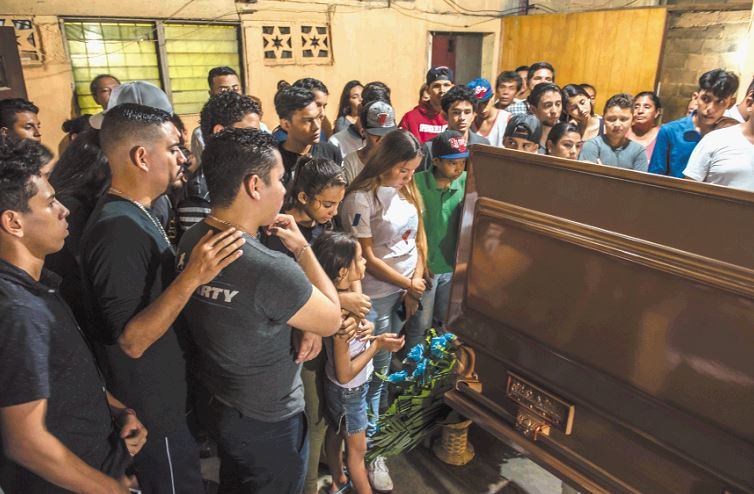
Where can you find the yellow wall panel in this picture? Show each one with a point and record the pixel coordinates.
(615, 51)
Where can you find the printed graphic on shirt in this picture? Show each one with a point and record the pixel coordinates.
(432, 129)
(218, 294)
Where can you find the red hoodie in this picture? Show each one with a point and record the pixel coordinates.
(424, 122)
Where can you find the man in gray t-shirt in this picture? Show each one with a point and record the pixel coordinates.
(249, 393)
(239, 323)
(614, 148)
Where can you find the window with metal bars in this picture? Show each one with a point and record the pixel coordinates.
(173, 56)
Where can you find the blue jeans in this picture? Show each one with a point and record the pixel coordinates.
(384, 316)
(347, 405)
(433, 313)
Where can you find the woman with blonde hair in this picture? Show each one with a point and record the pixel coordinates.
(383, 210)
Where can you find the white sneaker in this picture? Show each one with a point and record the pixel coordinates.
(379, 475)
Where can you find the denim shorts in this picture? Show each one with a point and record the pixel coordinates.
(346, 403)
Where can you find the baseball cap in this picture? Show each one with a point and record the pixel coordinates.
(380, 118)
(140, 92)
(524, 126)
(449, 145)
(439, 74)
(482, 89)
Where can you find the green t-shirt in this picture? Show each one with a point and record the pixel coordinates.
(442, 216)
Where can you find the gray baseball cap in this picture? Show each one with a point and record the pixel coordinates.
(140, 92)
(380, 119)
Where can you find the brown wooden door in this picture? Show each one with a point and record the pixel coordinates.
(616, 51)
(11, 74)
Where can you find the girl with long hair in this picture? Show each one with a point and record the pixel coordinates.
(383, 210)
(349, 368)
(577, 109)
(348, 108)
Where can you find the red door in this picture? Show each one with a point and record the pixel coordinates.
(444, 50)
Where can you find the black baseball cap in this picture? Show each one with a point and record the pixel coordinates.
(524, 126)
(441, 73)
(450, 145)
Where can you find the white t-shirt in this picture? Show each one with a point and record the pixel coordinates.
(391, 222)
(355, 347)
(352, 166)
(734, 113)
(346, 141)
(498, 130)
(723, 157)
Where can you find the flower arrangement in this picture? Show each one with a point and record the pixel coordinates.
(418, 407)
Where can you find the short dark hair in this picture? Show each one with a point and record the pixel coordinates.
(539, 66)
(219, 71)
(334, 251)
(540, 89)
(720, 82)
(651, 95)
(95, 81)
(311, 84)
(291, 99)
(131, 120)
(10, 107)
(374, 91)
(585, 85)
(311, 177)
(231, 156)
(226, 109)
(456, 94)
(508, 76)
(521, 68)
(19, 162)
(623, 101)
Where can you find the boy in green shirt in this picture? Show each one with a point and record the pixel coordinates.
(442, 189)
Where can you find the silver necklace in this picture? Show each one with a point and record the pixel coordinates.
(156, 223)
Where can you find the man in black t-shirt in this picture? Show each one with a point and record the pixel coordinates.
(128, 266)
(251, 398)
(301, 118)
(55, 415)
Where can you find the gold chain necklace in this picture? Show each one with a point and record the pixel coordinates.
(156, 223)
(230, 225)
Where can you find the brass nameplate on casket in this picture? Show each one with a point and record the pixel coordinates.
(535, 400)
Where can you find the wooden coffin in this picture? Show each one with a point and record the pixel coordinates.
(610, 314)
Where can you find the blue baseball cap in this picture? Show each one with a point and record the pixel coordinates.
(482, 89)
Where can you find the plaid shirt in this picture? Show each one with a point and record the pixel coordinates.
(518, 107)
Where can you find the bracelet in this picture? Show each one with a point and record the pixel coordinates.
(298, 254)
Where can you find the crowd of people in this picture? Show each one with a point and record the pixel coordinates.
(162, 289)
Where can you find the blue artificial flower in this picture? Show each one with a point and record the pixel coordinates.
(448, 337)
(416, 353)
(438, 350)
(437, 340)
(397, 377)
(421, 368)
